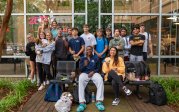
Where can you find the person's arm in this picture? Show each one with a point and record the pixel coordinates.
(105, 66)
(137, 43)
(110, 43)
(121, 45)
(93, 40)
(65, 42)
(48, 48)
(81, 50)
(83, 64)
(27, 52)
(106, 47)
(150, 46)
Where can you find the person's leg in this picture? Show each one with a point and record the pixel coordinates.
(115, 87)
(32, 69)
(83, 81)
(98, 81)
(40, 72)
(47, 71)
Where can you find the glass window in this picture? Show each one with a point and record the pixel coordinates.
(14, 41)
(18, 6)
(106, 21)
(153, 65)
(33, 22)
(11, 66)
(79, 21)
(79, 6)
(150, 23)
(169, 66)
(106, 6)
(49, 6)
(170, 6)
(136, 6)
(170, 36)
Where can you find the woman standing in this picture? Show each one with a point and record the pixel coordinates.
(30, 51)
(46, 55)
(114, 69)
(41, 42)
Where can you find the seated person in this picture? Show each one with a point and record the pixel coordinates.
(114, 70)
(89, 71)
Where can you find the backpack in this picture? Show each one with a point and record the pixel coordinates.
(76, 95)
(157, 94)
(53, 92)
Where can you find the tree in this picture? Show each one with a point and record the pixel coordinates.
(5, 22)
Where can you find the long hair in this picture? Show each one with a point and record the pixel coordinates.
(116, 60)
(51, 39)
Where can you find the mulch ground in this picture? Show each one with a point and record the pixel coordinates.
(4, 92)
(174, 107)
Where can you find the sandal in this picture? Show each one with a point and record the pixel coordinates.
(100, 106)
(81, 107)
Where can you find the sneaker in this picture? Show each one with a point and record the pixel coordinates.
(81, 107)
(41, 87)
(100, 106)
(127, 91)
(116, 101)
(47, 82)
(38, 84)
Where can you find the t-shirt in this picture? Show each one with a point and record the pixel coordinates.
(30, 50)
(54, 33)
(76, 44)
(127, 46)
(147, 38)
(89, 39)
(60, 49)
(136, 50)
(100, 46)
(69, 37)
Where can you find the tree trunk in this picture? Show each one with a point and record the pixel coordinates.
(5, 22)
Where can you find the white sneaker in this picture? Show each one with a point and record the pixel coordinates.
(41, 87)
(127, 91)
(47, 82)
(115, 101)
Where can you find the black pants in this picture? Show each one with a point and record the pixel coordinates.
(41, 72)
(116, 82)
(47, 71)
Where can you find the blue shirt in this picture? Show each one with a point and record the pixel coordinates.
(101, 43)
(76, 44)
(92, 65)
(54, 32)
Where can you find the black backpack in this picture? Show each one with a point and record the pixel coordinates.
(76, 95)
(157, 94)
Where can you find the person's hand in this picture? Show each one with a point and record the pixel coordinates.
(90, 74)
(86, 62)
(72, 52)
(115, 69)
(107, 62)
(99, 55)
(64, 39)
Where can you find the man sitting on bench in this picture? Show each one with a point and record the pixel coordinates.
(89, 71)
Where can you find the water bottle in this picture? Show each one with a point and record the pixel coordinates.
(93, 97)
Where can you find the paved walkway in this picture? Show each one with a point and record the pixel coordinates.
(127, 103)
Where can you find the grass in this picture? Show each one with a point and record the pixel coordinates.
(171, 86)
(18, 90)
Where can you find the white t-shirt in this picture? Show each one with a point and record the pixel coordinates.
(89, 39)
(127, 46)
(146, 40)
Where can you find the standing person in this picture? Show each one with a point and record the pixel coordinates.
(127, 45)
(136, 40)
(88, 37)
(89, 71)
(108, 34)
(42, 42)
(61, 49)
(47, 54)
(69, 36)
(30, 51)
(45, 27)
(147, 47)
(101, 47)
(54, 29)
(117, 42)
(114, 70)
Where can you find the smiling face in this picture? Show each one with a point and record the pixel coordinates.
(49, 36)
(42, 35)
(112, 52)
(54, 24)
(116, 33)
(89, 51)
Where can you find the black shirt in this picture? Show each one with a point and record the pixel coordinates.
(30, 51)
(60, 49)
(135, 49)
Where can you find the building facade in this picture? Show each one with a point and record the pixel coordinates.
(161, 19)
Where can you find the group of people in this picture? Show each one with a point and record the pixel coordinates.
(94, 55)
